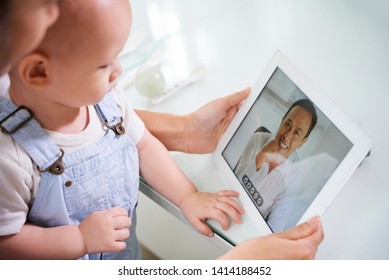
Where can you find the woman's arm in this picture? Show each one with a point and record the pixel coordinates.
(197, 132)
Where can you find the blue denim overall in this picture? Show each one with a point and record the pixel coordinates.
(98, 177)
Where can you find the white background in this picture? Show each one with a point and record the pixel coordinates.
(342, 45)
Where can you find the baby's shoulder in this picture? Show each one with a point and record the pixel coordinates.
(12, 153)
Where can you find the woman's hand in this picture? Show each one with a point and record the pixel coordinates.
(300, 242)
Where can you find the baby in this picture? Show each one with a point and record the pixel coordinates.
(72, 148)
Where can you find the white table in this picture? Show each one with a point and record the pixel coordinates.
(343, 46)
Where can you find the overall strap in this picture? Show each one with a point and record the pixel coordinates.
(110, 113)
(27, 132)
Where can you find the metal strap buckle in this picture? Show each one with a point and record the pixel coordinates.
(57, 168)
(17, 126)
(117, 128)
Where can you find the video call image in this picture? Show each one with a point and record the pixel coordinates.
(284, 152)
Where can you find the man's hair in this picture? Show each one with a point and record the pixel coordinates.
(307, 105)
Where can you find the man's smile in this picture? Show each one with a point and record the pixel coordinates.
(283, 145)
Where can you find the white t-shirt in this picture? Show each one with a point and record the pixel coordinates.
(270, 185)
(4, 84)
(19, 177)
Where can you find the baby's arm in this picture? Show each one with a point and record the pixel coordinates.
(101, 231)
(162, 173)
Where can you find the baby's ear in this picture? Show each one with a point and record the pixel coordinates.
(34, 70)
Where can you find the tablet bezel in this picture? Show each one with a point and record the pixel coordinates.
(361, 143)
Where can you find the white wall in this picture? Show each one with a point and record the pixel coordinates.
(342, 45)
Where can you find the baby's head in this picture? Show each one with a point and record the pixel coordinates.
(77, 62)
(22, 27)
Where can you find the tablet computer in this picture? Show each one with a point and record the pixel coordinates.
(288, 150)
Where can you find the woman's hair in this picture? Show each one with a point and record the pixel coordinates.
(5, 9)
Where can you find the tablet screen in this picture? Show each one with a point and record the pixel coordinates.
(284, 151)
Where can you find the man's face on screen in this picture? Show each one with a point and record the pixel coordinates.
(293, 130)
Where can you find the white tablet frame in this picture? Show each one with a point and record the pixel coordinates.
(361, 142)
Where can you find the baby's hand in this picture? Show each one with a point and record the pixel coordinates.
(104, 231)
(200, 206)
